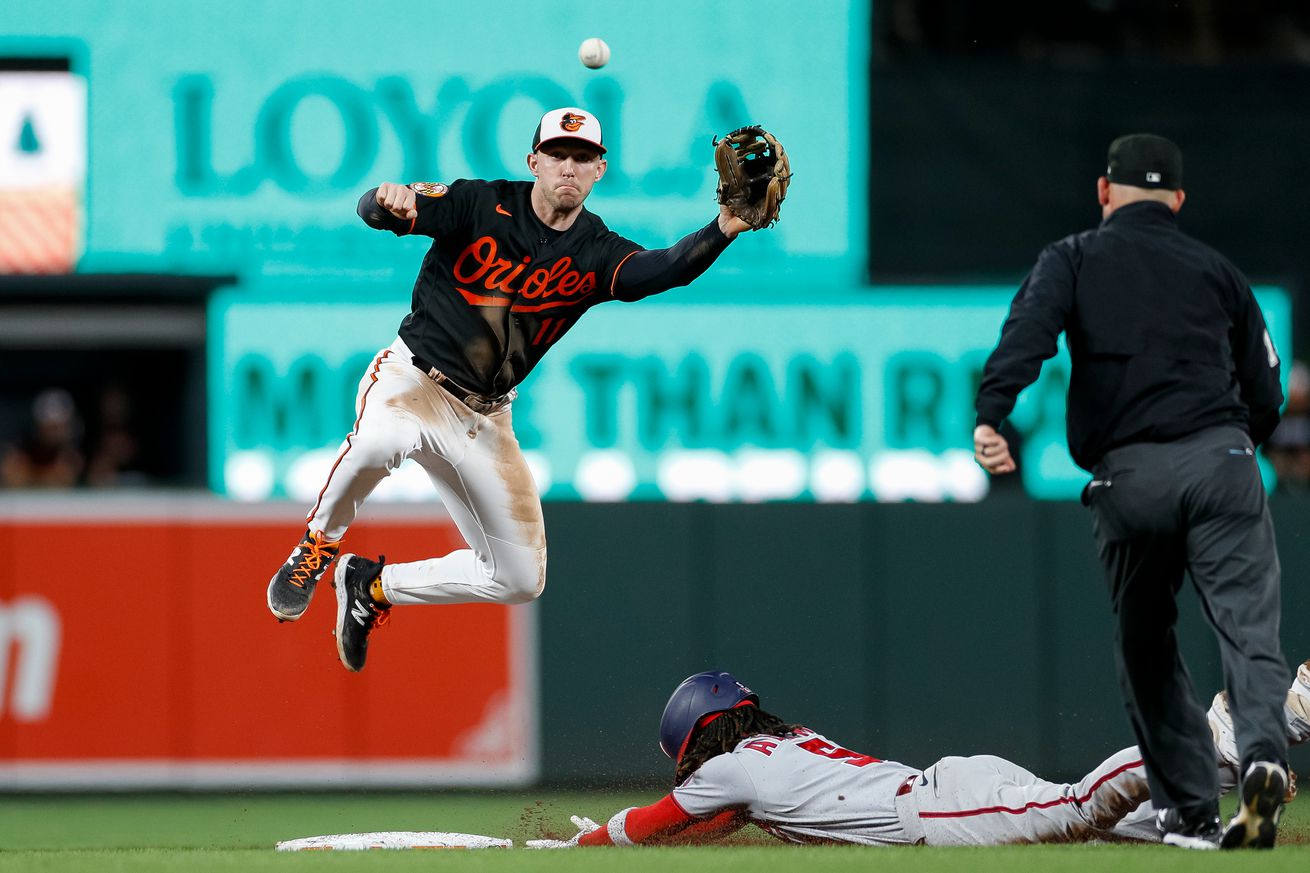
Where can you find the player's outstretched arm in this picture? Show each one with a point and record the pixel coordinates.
(644, 273)
(661, 822)
(389, 207)
(581, 822)
(707, 831)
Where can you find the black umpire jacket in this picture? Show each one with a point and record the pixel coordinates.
(1164, 334)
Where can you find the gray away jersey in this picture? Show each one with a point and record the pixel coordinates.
(802, 788)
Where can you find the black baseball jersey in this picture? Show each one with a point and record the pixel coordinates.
(498, 288)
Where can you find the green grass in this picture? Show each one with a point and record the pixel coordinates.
(198, 833)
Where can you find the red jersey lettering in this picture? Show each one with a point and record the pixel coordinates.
(822, 747)
(764, 747)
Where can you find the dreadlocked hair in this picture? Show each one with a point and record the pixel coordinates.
(722, 735)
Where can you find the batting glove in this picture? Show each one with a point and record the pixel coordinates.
(581, 822)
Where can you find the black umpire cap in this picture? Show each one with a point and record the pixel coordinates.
(1145, 160)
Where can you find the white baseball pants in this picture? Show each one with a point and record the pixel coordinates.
(477, 468)
(985, 801)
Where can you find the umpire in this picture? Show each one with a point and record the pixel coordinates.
(1174, 382)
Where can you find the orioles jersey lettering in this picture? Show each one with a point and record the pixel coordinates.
(498, 287)
(479, 263)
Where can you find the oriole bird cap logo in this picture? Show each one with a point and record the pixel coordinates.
(568, 122)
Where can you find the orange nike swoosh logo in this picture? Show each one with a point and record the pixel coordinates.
(501, 210)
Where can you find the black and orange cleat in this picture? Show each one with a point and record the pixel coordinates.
(357, 611)
(292, 586)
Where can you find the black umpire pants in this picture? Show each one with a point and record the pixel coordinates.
(1195, 505)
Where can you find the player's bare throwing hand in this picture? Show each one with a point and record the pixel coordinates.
(512, 267)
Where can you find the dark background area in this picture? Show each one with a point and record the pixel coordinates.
(1093, 31)
(990, 123)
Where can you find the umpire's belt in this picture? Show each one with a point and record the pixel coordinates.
(477, 402)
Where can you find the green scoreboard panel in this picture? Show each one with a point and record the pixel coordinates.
(238, 140)
(701, 394)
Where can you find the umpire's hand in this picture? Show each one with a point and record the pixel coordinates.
(991, 450)
(397, 199)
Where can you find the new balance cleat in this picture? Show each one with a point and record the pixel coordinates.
(1201, 831)
(1256, 824)
(293, 584)
(357, 613)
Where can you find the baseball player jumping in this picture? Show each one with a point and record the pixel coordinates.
(512, 267)
(739, 765)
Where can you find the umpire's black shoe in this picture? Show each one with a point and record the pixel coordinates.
(1193, 831)
(357, 612)
(293, 584)
(1256, 824)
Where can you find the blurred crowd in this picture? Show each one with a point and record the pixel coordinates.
(59, 447)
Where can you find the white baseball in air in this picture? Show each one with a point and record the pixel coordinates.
(594, 53)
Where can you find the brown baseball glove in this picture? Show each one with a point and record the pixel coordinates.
(754, 173)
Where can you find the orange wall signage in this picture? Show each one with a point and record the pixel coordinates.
(136, 649)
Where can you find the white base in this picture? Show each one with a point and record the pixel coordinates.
(394, 840)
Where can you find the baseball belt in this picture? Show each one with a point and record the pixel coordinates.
(479, 403)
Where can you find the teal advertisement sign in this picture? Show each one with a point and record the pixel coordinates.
(696, 395)
(238, 138)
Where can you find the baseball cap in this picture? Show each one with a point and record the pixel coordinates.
(568, 123)
(1145, 160)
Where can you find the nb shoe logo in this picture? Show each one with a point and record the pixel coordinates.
(359, 611)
